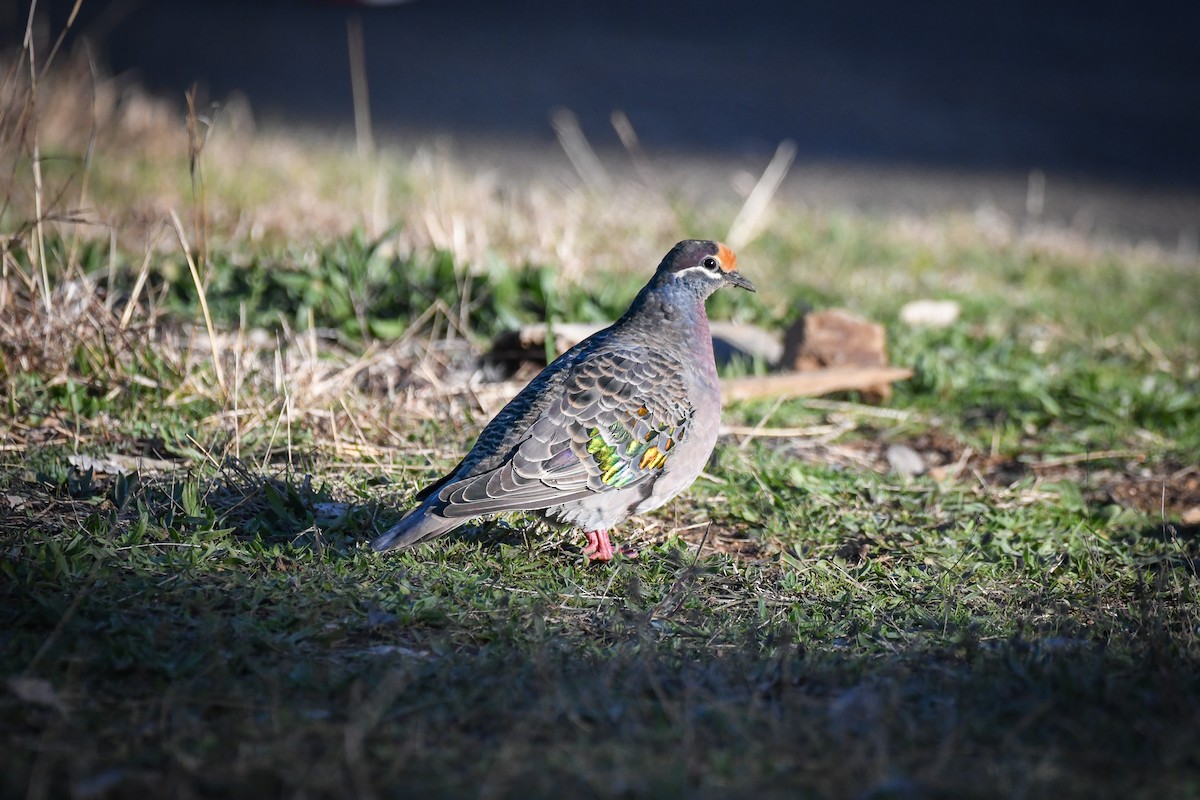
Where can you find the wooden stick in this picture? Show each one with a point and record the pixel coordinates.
(810, 383)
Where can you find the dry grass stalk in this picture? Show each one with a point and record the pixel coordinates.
(579, 151)
(202, 296)
(752, 217)
(358, 86)
(251, 186)
(38, 252)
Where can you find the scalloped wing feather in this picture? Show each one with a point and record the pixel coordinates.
(605, 424)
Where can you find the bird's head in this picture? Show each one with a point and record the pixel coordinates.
(701, 267)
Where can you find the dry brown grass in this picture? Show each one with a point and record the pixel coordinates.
(91, 157)
(300, 185)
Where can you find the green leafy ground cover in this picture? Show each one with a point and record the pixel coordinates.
(1020, 621)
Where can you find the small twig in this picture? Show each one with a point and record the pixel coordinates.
(748, 436)
(811, 382)
(858, 408)
(207, 453)
(700, 549)
(1085, 458)
(755, 432)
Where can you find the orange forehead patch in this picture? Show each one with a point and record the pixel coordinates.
(728, 259)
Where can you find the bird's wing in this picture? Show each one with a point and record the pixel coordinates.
(611, 423)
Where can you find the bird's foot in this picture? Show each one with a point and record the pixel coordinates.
(599, 548)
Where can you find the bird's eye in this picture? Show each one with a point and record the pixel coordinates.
(712, 263)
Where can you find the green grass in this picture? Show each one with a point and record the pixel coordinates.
(1020, 621)
(225, 631)
(213, 632)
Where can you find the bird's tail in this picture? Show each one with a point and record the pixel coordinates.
(416, 526)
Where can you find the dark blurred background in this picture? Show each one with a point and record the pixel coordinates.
(1100, 97)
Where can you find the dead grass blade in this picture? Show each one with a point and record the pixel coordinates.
(140, 283)
(579, 151)
(358, 87)
(202, 296)
(752, 217)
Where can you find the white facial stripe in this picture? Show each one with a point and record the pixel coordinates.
(698, 268)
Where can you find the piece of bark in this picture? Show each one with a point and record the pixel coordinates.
(836, 338)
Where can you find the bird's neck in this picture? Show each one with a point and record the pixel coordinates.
(676, 324)
(670, 309)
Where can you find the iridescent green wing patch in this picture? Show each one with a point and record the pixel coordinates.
(622, 457)
(614, 455)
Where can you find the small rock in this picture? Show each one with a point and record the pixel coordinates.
(37, 692)
(837, 338)
(735, 340)
(1191, 516)
(834, 338)
(905, 460)
(377, 618)
(930, 313)
(329, 513)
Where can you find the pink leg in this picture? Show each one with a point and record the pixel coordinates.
(599, 548)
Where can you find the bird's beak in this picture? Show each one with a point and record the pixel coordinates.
(739, 280)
